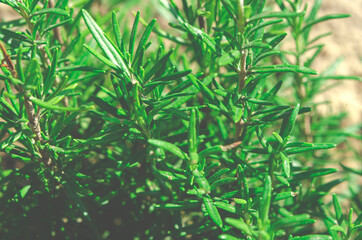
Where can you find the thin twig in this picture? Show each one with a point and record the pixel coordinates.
(240, 23)
(200, 18)
(29, 108)
(9, 64)
(56, 30)
(242, 75)
(242, 70)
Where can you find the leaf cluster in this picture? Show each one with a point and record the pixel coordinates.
(107, 135)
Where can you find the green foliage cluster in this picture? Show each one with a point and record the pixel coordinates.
(106, 135)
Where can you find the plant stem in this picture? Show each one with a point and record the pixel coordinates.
(200, 18)
(301, 90)
(240, 126)
(242, 71)
(56, 30)
(240, 16)
(29, 108)
(242, 74)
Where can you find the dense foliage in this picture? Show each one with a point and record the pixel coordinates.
(208, 132)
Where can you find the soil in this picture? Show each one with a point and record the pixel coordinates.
(344, 42)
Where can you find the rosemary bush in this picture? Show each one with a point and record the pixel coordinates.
(106, 135)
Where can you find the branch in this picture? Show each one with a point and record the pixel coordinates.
(29, 108)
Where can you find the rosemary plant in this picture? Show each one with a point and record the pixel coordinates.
(107, 135)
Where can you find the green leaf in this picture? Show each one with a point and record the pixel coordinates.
(285, 164)
(211, 150)
(312, 173)
(294, 221)
(264, 55)
(34, 76)
(12, 3)
(198, 33)
(298, 144)
(196, 191)
(168, 147)
(262, 25)
(338, 209)
(50, 77)
(356, 227)
(149, 87)
(103, 42)
(179, 205)
(257, 44)
(316, 146)
(336, 77)
(24, 191)
(241, 225)
(223, 181)
(278, 138)
(82, 68)
(258, 101)
(273, 15)
(104, 105)
(225, 206)
(211, 7)
(61, 91)
(57, 128)
(243, 182)
(192, 138)
(56, 11)
(212, 211)
(273, 43)
(266, 201)
(258, 6)
(217, 174)
(206, 92)
(8, 142)
(14, 35)
(263, 141)
(273, 91)
(288, 125)
(157, 66)
(313, 13)
(355, 171)
(324, 18)
(273, 115)
(329, 185)
(116, 30)
(132, 38)
(161, 106)
(143, 41)
(283, 195)
(313, 237)
(8, 108)
(229, 57)
(339, 229)
(103, 139)
(227, 237)
(171, 176)
(51, 27)
(100, 57)
(51, 106)
(201, 180)
(69, 186)
(282, 68)
(173, 76)
(281, 179)
(240, 201)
